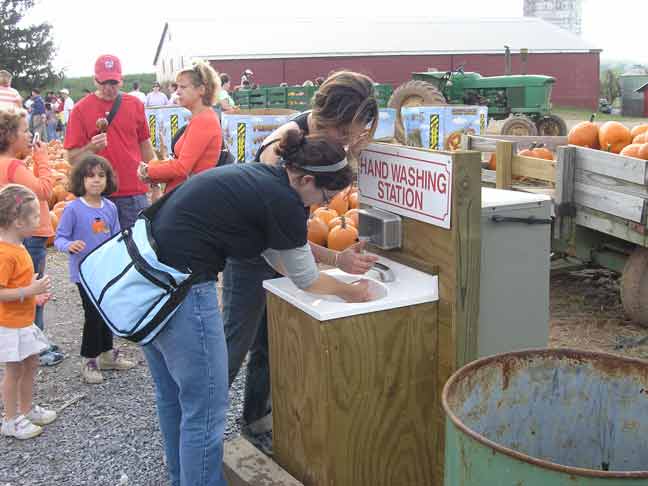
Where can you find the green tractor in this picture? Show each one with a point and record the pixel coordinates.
(523, 100)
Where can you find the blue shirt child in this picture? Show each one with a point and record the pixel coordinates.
(81, 221)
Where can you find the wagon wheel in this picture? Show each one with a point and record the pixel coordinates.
(520, 126)
(634, 286)
(413, 93)
(552, 125)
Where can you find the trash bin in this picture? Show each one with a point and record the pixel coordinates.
(547, 417)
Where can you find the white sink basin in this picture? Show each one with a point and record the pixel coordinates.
(410, 287)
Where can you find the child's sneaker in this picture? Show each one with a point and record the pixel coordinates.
(113, 360)
(41, 416)
(20, 428)
(90, 372)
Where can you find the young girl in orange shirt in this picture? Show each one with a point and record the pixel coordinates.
(20, 291)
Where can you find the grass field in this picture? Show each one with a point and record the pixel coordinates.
(570, 113)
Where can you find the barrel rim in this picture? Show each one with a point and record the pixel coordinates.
(528, 353)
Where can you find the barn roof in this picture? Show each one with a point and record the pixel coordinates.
(261, 38)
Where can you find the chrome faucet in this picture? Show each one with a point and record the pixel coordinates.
(385, 274)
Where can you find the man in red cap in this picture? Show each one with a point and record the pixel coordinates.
(125, 141)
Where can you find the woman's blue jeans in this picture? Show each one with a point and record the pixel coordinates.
(246, 329)
(37, 248)
(188, 362)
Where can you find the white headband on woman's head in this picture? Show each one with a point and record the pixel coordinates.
(326, 168)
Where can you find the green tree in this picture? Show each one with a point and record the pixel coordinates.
(26, 51)
(610, 87)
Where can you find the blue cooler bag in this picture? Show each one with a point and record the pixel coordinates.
(133, 291)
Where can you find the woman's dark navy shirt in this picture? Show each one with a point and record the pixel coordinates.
(237, 210)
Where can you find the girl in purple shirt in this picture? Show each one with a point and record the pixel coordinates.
(86, 223)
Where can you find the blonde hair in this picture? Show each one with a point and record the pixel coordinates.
(14, 203)
(5, 78)
(9, 124)
(202, 74)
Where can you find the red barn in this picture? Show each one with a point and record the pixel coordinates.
(388, 50)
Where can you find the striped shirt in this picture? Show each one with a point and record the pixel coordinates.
(9, 98)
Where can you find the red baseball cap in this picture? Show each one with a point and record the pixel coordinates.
(108, 68)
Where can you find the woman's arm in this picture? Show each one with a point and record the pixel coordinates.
(269, 156)
(298, 264)
(198, 138)
(352, 260)
(42, 182)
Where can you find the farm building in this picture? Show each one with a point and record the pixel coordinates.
(643, 92)
(388, 50)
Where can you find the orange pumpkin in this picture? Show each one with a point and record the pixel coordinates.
(542, 152)
(353, 200)
(340, 202)
(317, 231)
(313, 207)
(63, 166)
(639, 129)
(59, 192)
(492, 162)
(613, 136)
(643, 151)
(353, 216)
(641, 138)
(631, 150)
(528, 152)
(584, 134)
(338, 221)
(70, 197)
(58, 212)
(59, 205)
(325, 214)
(55, 221)
(342, 237)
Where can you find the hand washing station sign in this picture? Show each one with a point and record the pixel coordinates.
(405, 181)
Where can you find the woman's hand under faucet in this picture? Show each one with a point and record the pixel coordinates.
(354, 260)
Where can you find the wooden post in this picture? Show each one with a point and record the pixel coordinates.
(564, 194)
(504, 156)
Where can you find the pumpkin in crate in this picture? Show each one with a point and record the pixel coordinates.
(631, 150)
(584, 134)
(643, 151)
(353, 216)
(639, 130)
(614, 136)
(542, 152)
(641, 138)
(338, 221)
(340, 203)
(342, 236)
(527, 152)
(353, 199)
(492, 162)
(325, 214)
(317, 231)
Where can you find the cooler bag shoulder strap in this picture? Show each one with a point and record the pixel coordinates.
(114, 109)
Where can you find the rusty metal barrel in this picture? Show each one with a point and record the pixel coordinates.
(554, 417)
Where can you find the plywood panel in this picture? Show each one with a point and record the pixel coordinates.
(298, 353)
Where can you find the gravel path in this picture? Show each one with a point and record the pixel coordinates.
(107, 434)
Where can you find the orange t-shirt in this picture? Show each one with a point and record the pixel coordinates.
(16, 270)
(198, 149)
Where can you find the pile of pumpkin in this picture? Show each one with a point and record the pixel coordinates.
(60, 173)
(335, 225)
(611, 136)
(537, 150)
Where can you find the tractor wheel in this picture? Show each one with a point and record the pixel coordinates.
(634, 286)
(520, 126)
(551, 125)
(413, 93)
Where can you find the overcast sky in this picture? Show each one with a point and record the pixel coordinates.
(131, 29)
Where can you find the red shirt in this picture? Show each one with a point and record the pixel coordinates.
(198, 149)
(125, 134)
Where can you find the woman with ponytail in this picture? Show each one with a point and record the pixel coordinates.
(345, 110)
(199, 147)
(242, 211)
